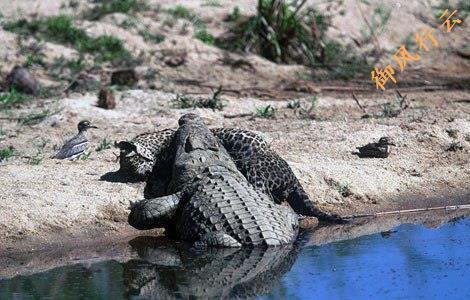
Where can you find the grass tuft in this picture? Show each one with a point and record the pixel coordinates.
(106, 7)
(35, 117)
(6, 153)
(214, 102)
(60, 29)
(288, 32)
(201, 33)
(267, 112)
(11, 98)
(104, 145)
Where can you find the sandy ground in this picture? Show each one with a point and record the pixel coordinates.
(75, 200)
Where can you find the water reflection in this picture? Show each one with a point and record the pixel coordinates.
(164, 272)
(350, 261)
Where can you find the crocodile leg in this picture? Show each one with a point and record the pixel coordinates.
(217, 239)
(153, 213)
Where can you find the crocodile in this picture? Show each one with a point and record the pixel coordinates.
(164, 271)
(209, 201)
(150, 156)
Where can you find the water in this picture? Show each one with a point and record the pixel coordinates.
(411, 262)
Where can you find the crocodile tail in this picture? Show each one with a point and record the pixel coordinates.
(301, 204)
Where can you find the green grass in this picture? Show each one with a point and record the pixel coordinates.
(60, 29)
(104, 145)
(266, 112)
(294, 34)
(7, 152)
(86, 156)
(105, 7)
(305, 111)
(180, 12)
(35, 117)
(204, 36)
(294, 104)
(62, 68)
(12, 98)
(148, 36)
(213, 3)
(184, 101)
(378, 21)
(201, 32)
(214, 102)
(280, 32)
(234, 16)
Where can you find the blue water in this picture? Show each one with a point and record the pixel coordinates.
(412, 262)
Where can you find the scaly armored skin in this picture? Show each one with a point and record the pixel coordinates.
(170, 272)
(211, 203)
(151, 155)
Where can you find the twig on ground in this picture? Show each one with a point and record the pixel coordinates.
(241, 115)
(358, 103)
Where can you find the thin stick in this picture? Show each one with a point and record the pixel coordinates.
(242, 115)
(397, 212)
(359, 104)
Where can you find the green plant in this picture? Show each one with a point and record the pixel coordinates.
(37, 159)
(388, 111)
(204, 36)
(85, 156)
(35, 117)
(266, 112)
(180, 12)
(344, 189)
(60, 29)
(281, 32)
(294, 104)
(184, 101)
(309, 112)
(152, 37)
(115, 6)
(104, 145)
(62, 68)
(201, 33)
(214, 3)
(214, 102)
(234, 16)
(379, 20)
(7, 152)
(11, 98)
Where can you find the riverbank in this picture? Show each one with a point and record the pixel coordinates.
(38, 201)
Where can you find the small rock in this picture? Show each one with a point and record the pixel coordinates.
(83, 83)
(452, 132)
(22, 80)
(455, 146)
(175, 61)
(415, 173)
(124, 77)
(106, 99)
(308, 222)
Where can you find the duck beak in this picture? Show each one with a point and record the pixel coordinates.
(92, 126)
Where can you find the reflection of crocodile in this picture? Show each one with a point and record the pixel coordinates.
(167, 272)
(211, 202)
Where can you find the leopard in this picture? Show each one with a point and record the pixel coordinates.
(150, 156)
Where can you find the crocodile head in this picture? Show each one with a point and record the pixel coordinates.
(196, 149)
